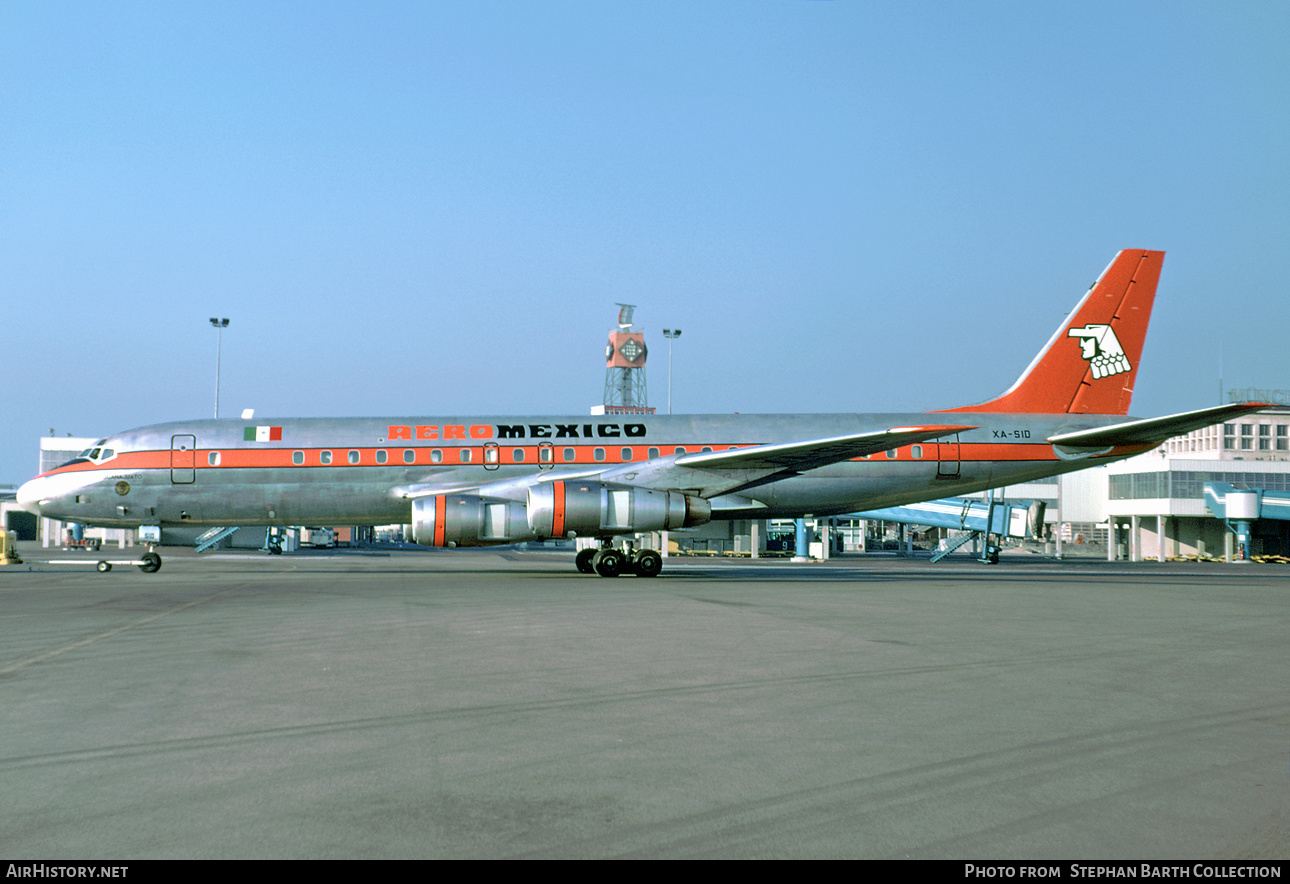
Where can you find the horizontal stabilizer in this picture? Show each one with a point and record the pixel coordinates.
(1153, 430)
(811, 454)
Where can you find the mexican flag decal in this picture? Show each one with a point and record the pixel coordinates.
(262, 434)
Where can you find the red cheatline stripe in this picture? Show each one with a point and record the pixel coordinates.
(557, 522)
(439, 507)
(281, 458)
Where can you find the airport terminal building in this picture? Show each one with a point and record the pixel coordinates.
(1156, 500)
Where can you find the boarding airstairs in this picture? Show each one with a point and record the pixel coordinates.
(954, 544)
(209, 538)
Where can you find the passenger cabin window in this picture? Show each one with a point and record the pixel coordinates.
(916, 451)
(626, 454)
(436, 455)
(297, 457)
(409, 456)
(213, 458)
(599, 454)
(891, 454)
(325, 457)
(652, 453)
(569, 455)
(465, 455)
(518, 455)
(353, 457)
(382, 455)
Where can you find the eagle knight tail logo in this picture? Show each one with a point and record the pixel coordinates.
(1102, 349)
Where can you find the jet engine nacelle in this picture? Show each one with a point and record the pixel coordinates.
(468, 520)
(554, 510)
(597, 509)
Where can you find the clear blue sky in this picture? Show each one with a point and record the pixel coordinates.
(431, 208)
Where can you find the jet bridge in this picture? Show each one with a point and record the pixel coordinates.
(1024, 518)
(1240, 509)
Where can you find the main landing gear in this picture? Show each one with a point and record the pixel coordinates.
(610, 562)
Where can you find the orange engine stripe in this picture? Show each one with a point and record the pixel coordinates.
(557, 521)
(439, 508)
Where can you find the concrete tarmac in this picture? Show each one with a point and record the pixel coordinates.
(497, 704)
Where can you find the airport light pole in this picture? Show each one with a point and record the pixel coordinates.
(219, 325)
(671, 334)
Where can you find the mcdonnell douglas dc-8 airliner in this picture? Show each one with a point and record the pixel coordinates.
(476, 481)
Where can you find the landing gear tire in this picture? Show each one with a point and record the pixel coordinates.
(104, 567)
(648, 563)
(609, 562)
(583, 560)
(275, 549)
(151, 563)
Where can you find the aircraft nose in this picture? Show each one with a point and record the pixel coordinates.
(30, 494)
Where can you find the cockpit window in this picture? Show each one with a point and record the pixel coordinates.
(98, 455)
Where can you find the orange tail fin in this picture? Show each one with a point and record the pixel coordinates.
(1089, 365)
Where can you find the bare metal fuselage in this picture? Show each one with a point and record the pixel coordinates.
(363, 471)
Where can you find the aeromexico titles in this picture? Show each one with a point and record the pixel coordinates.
(474, 481)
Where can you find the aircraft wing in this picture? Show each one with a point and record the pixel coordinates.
(712, 474)
(811, 454)
(1155, 430)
